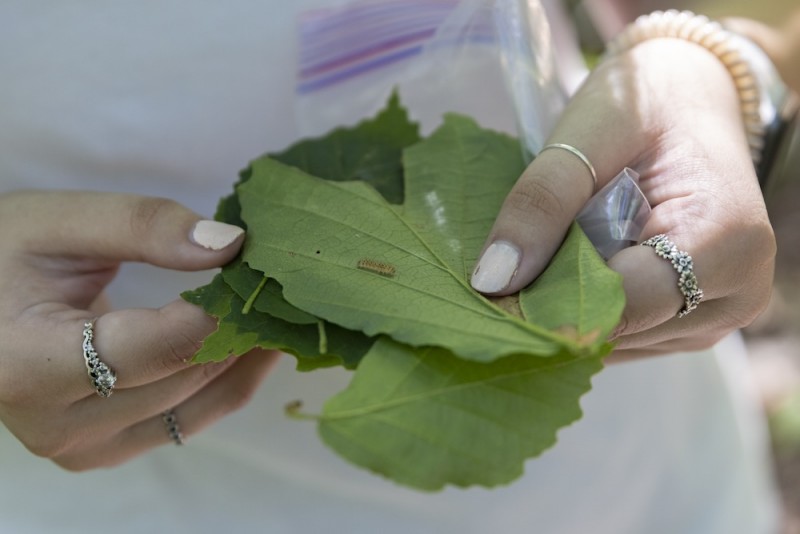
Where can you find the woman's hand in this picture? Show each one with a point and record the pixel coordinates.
(59, 250)
(668, 109)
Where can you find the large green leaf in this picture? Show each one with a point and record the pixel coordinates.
(369, 151)
(312, 235)
(426, 418)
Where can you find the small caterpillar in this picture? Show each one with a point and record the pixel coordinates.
(377, 267)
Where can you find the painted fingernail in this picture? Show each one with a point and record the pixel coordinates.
(496, 268)
(214, 235)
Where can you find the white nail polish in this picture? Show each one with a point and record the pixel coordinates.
(214, 235)
(496, 268)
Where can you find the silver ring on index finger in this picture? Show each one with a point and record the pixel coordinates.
(581, 156)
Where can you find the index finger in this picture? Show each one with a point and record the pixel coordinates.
(541, 206)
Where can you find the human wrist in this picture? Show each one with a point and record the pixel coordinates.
(762, 94)
(778, 49)
(782, 45)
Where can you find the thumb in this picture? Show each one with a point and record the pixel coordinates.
(116, 227)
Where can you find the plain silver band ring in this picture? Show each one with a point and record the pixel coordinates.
(683, 264)
(102, 376)
(572, 150)
(173, 428)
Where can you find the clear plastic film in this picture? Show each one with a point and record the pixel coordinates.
(529, 65)
(614, 218)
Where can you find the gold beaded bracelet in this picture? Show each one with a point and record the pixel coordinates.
(725, 45)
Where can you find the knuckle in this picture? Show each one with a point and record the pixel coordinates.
(49, 445)
(705, 341)
(210, 371)
(622, 327)
(71, 464)
(702, 342)
(747, 312)
(761, 301)
(535, 196)
(13, 393)
(180, 347)
(757, 239)
(184, 347)
(238, 398)
(79, 463)
(146, 214)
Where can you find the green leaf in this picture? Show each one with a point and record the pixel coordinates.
(456, 181)
(312, 235)
(238, 333)
(426, 418)
(369, 152)
(577, 294)
(215, 297)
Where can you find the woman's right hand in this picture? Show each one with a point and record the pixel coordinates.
(59, 251)
(669, 109)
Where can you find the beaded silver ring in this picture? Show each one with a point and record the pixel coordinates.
(101, 375)
(682, 263)
(173, 428)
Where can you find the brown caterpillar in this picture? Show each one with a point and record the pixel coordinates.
(377, 267)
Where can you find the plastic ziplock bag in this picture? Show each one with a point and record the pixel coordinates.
(493, 60)
(615, 216)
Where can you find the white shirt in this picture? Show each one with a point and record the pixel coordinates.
(171, 98)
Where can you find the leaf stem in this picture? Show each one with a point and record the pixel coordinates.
(323, 337)
(254, 295)
(292, 409)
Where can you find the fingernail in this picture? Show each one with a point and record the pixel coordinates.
(496, 268)
(214, 235)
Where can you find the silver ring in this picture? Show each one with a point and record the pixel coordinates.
(682, 263)
(572, 150)
(101, 375)
(173, 428)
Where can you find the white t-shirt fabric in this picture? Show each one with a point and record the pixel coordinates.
(171, 98)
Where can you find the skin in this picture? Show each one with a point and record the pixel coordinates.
(60, 249)
(782, 44)
(672, 111)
